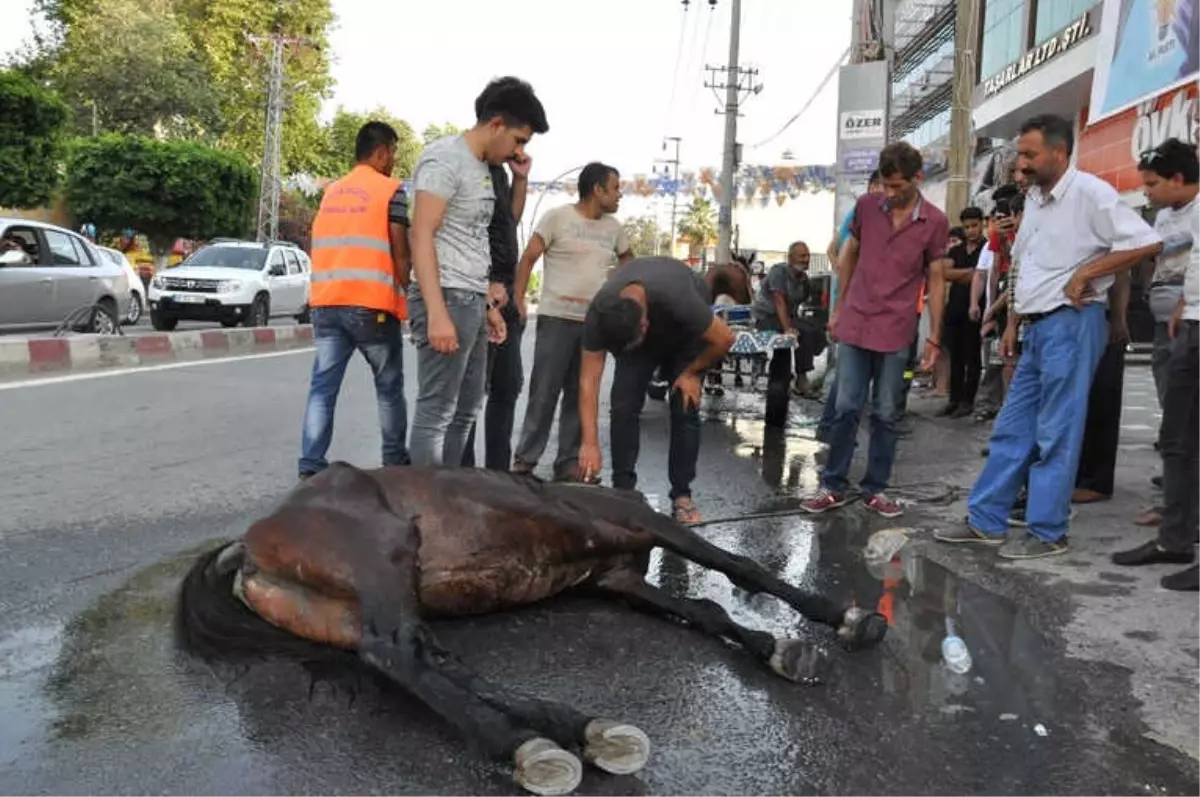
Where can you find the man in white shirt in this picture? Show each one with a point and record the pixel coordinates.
(1076, 234)
(580, 245)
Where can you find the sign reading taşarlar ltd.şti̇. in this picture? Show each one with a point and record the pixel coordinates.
(1048, 50)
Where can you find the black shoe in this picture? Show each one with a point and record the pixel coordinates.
(305, 475)
(1183, 581)
(1151, 553)
(964, 411)
(1030, 547)
(985, 451)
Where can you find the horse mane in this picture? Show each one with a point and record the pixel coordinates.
(213, 625)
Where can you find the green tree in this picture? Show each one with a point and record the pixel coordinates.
(433, 132)
(699, 225)
(129, 66)
(163, 189)
(31, 125)
(343, 129)
(645, 237)
(214, 56)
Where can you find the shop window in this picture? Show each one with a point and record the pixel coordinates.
(1054, 15)
(1003, 34)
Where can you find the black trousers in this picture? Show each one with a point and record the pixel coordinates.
(962, 341)
(634, 371)
(1101, 435)
(1180, 439)
(506, 379)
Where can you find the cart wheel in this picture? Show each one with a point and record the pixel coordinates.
(657, 391)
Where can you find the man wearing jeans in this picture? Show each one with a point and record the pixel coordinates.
(1075, 235)
(897, 242)
(453, 317)
(653, 313)
(505, 371)
(580, 245)
(360, 267)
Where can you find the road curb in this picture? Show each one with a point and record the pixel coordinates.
(24, 356)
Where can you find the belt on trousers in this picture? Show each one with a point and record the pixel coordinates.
(1033, 318)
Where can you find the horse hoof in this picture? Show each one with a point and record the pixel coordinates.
(862, 629)
(801, 662)
(542, 767)
(615, 747)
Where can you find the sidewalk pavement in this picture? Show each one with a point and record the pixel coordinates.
(1095, 611)
(21, 357)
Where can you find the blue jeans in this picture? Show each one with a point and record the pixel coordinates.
(450, 386)
(338, 332)
(881, 375)
(1039, 431)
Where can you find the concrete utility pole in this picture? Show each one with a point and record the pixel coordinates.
(735, 89)
(270, 180)
(962, 142)
(674, 162)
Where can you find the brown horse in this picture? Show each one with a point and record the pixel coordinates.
(731, 279)
(344, 574)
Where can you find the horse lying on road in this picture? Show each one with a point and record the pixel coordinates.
(348, 568)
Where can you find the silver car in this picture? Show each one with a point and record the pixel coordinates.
(48, 273)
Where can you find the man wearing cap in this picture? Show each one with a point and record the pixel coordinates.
(654, 312)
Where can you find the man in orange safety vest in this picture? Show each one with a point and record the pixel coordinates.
(359, 275)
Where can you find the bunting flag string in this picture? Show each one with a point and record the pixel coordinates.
(752, 184)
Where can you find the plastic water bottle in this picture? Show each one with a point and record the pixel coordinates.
(954, 651)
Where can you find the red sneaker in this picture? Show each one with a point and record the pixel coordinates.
(823, 502)
(881, 505)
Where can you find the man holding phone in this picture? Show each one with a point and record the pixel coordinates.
(655, 312)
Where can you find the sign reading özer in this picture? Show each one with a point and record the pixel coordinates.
(862, 124)
(1053, 47)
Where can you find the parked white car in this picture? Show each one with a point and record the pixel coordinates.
(233, 282)
(49, 274)
(137, 290)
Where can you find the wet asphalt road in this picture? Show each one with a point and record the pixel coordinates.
(112, 485)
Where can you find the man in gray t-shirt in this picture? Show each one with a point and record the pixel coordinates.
(654, 313)
(452, 310)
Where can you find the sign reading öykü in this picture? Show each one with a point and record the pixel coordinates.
(1110, 148)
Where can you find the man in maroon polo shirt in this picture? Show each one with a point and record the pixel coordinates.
(897, 241)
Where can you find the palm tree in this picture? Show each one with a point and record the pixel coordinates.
(699, 225)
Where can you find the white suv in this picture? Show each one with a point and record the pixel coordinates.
(233, 282)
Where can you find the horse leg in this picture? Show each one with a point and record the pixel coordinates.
(856, 627)
(404, 651)
(794, 659)
(615, 747)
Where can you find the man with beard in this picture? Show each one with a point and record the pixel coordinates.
(580, 245)
(776, 308)
(1076, 235)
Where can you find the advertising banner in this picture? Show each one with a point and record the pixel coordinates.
(863, 91)
(1146, 48)
(1110, 149)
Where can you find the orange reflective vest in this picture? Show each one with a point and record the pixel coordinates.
(351, 247)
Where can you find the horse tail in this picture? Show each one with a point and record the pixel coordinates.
(213, 624)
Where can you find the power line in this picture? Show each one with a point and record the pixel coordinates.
(683, 25)
(828, 77)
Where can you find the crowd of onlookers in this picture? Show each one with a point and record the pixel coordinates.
(1028, 299)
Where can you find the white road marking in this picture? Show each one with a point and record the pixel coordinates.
(58, 380)
(1136, 427)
